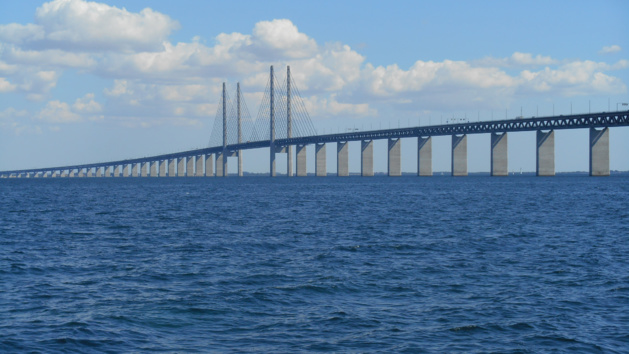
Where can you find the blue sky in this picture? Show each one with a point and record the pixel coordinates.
(84, 81)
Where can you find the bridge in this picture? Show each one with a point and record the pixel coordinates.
(283, 125)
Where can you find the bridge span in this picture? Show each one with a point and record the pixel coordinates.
(212, 161)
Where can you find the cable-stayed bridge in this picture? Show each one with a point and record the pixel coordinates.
(283, 125)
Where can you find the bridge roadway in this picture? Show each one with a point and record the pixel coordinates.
(577, 121)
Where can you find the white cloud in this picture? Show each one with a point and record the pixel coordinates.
(86, 104)
(58, 112)
(76, 25)
(6, 86)
(610, 49)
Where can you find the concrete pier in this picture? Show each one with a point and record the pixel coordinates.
(126, 170)
(107, 171)
(366, 158)
(180, 167)
(90, 172)
(342, 159)
(289, 161)
(81, 173)
(162, 168)
(424, 156)
(209, 165)
(394, 166)
(545, 165)
(320, 161)
(221, 166)
(144, 169)
(116, 171)
(134, 170)
(599, 152)
(199, 166)
(459, 155)
(240, 171)
(189, 166)
(499, 155)
(171, 168)
(301, 161)
(99, 172)
(153, 169)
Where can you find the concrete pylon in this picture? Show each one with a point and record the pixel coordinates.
(320, 160)
(199, 166)
(301, 161)
(499, 155)
(545, 162)
(126, 171)
(162, 168)
(394, 166)
(134, 170)
(171, 168)
(144, 169)
(181, 172)
(209, 165)
(424, 156)
(342, 159)
(116, 171)
(366, 158)
(189, 166)
(599, 152)
(153, 169)
(220, 165)
(459, 155)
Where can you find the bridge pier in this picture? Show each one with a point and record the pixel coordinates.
(180, 169)
(81, 173)
(134, 169)
(162, 168)
(342, 159)
(116, 171)
(106, 171)
(289, 161)
(153, 169)
(209, 165)
(545, 162)
(424, 156)
(240, 171)
(459, 155)
(171, 168)
(221, 165)
(599, 152)
(199, 166)
(189, 166)
(144, 169)
(125, 170)
(394, 166)
(320, 160)
(366, 158)
(301, 161)
(499, 155)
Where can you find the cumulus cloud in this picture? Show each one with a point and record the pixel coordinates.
(76, 25)
(610, 49)
(155, 80)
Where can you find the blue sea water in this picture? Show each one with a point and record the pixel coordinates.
(476, 264)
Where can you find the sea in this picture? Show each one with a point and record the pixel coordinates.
(255, 264)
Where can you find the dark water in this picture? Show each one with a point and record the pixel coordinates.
(477, 264)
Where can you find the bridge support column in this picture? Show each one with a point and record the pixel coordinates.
(424, 156)
(342, 159)
(189, 166)
(459, 155)
(81, 173)
(209, 165)
(106, 171)
(289, 161)
(320, 161)
(180, 167)
(171, 168)
(125, 170)
(153, 169)
(272, 162)
(199, 166)
(302, 171)
(394, 167)
(366, 158)
(144, 169)
(220, 165)
(162, 168)
(116, 171)
(240, 171)
(545, 165)
(99, 172)
(599, 152)
(134, 170)
(499, 155)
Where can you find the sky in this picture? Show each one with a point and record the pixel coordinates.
(84, 82)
